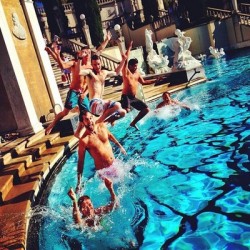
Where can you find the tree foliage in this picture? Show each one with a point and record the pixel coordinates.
(150, 8)
(91, 11)
(49, 6)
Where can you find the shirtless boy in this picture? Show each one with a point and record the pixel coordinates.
(84, 213)
(76, 89)
(96, 140)
(77, 94)
(131, 79)
(95, 80)
(167, 100)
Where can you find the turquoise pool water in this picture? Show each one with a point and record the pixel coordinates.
(186, 178)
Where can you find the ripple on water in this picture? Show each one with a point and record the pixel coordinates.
(162, 225)
(187, 156)
(187, 193)
(235, 201)
(215, 231)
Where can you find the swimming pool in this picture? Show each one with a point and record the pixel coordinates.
(186, 183)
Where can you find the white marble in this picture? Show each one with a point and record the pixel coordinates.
(157, 63)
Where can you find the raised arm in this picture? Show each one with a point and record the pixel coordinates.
(85, 72)
(62, 64)
(51, 52)
(126, 57)
(104, 43)
(76, 211)
(80, 164)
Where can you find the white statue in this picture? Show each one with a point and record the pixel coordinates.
(182, 58)
(216, 53)
(148, 38)
(18, 30)
(202, 57)
(157, 63)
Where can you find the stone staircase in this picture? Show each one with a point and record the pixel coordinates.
(25, 165)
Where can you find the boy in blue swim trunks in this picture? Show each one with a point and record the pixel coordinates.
(77, 95)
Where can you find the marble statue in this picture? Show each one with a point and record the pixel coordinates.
(18, 30)
(216, 53)
(157, 63)
(181, 56)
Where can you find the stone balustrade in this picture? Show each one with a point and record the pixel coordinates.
(108, 62)
(102, 2)
(244, 19)
(218, 13)
(245, 8)
(68, 7)
(162, 22)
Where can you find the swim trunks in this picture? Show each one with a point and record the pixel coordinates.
(115, 172)
(74, 99)
(83, 106)
(130, 100)
(98, 106)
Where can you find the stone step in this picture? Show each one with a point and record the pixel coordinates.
(22, 192)
(66, 141)
(40, 164)
(27, 159)
(47, 139)
(6, 149)
(13, 224)
(6, 183)
(34, 173)
(52, 156)
(16, 170)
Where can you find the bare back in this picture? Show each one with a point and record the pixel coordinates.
(99, 147)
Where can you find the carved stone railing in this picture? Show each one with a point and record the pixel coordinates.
(68, 7)
(245, 8)
(163, 21)
(107, 24)
(109, 62)
(102, 2)
(244, 19)
(218, 13)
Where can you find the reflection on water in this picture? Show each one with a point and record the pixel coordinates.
(185, 181)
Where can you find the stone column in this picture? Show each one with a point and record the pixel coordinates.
(47, 32)
(17, 93)
(116, 9)
(120, 38)
(85, 29)
(37, 38)
(235, 5)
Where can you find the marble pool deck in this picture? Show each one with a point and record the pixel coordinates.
(27, 162)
